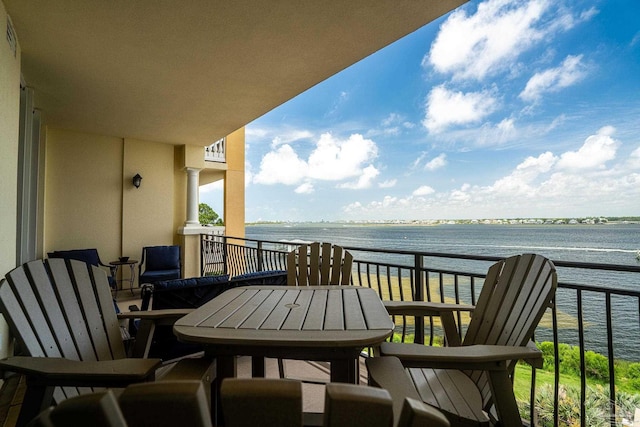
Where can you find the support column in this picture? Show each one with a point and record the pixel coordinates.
(190, 232)
(193, 183)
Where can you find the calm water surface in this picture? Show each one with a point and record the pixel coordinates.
(611, 244)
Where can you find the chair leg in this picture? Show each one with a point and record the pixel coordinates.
(257, 367)
(504, 399)
(281, 368)
(37, 398)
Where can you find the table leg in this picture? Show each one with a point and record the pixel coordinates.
(225, 368)
(257, 367)
(132, 277)
(344, 371)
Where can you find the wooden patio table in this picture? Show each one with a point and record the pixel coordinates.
(321, 323)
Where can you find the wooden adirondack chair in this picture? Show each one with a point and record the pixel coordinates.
(317, 264)
(160, 404)
(63, 317)
(469, 381)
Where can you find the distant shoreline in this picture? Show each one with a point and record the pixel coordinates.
(431, 223)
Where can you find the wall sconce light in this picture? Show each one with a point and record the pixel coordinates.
(137, 180)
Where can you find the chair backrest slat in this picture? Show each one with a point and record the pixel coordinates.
(30, 312)
(70, 306)
(19, 320)
(514, 297)
(99, 313)
(327, 273)
(319, 264)
(315, 266)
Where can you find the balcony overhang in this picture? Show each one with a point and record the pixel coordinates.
(192, 72)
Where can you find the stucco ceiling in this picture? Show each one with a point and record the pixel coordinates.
(190, 72)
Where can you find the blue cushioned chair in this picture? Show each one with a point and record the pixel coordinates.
(191, 293)
(90, 256)
(159, 263)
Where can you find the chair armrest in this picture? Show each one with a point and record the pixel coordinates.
(423, 308)
(167, 316)
(54, 371)
(149, 320)
(473, 357)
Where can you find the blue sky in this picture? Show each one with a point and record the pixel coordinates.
(500, 109)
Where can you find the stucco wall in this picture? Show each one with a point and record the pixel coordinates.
(9, 124)
(83, 192)
(90, 200)
(147, 215)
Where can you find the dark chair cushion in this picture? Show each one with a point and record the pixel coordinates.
(271, 277)
(193, 281)
(162, 258)
(90, 256)
(157, 276)
(188, 293)
(192, 293)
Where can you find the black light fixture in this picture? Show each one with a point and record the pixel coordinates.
(137, 180)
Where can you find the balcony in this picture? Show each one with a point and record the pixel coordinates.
(216, 151)
(591, 375)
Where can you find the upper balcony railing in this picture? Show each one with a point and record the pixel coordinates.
(216, 151)
(591, 335)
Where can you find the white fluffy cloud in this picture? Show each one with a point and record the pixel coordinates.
(423, 190)
(554, 79)
(476, 46)
(364, 180)
(281, 166)
(596, 151)
(392, 182)
(446, 108)
(436, 162)
(472, 47)
(305, 188)
(634, 159)
(521, 180)
(332, 159)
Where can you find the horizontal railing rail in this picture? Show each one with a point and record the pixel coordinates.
(596, 310)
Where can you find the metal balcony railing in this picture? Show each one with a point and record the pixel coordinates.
(596, 312)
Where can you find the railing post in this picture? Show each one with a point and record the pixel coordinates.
(260, 261)
(202, 257)
(418, 280)
(225, 255)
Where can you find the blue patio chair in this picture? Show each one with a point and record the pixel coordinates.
(91, 257)
(159, 263)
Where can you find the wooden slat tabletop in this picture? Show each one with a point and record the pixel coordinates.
(318, 316)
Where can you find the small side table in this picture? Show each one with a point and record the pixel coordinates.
(132, 274)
